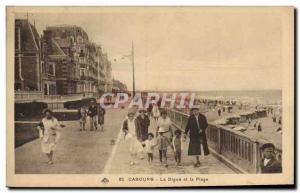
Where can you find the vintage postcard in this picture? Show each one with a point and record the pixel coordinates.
(150, 96)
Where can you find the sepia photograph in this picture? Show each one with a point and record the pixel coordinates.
(150, 96)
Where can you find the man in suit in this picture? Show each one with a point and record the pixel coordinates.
(196, 127)
(269, 164)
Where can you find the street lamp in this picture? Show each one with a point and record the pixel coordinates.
(131, 57)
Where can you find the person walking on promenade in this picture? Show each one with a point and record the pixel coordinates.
(259, 129)
(269, 163)
(163, 142)
(92, 113)
(164, 122)
(155, 112)
(149, 110)
(82, 113)
(101, 113)
(177, 146)
(150, 144)
(219, 112)
(49, 132)
(279, 120)
(274, 119)
(143, 125)
(129, 127)
(196, 127)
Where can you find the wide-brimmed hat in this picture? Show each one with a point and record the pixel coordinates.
(142, 110)
(47, 110)
(131, 112)
(267, 145)
(161, 130)
(195, 108)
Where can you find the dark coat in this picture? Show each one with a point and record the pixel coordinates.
(92, 111)
(143, 125)
(197, 137)
(125, 126)
(273, 166)
(101, 112)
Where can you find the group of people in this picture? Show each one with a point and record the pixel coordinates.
(141, 141)
(95, 113)
(135, 129)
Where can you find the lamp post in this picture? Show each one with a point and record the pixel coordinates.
(133, 76)
(131, 57)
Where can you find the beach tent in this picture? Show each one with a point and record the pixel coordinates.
(261, 113)
(229, 108)
(240, 128)
(246, 115)
(234, 119)
(221, 121)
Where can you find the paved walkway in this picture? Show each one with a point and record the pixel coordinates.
(120, 162)
(77, 152)
(92, 153)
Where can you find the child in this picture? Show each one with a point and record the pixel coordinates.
(150, 143)
(82, 112)
(269, 163)
(177, 146)
(163, 143)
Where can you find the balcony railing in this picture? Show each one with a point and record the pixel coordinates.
(24, 96)
(240, 150)
(28, 95)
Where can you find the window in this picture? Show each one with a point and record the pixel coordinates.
(72, 39)
(42, 66)
(81, 72)
(18, 39)
(51, 69)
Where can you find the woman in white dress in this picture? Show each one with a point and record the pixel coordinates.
(130, 126)
(155, 111)
(49, 131)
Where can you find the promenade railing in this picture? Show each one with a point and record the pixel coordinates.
(22, 96)
(240, 151)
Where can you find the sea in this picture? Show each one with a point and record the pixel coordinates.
(266, 97)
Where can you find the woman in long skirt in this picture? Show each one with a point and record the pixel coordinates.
(49, 130)
(130, 126)
(143, 125)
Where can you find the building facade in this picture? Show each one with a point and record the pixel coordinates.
(61, 62)
(27, 57)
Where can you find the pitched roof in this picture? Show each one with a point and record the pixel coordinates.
(55, 49)
(29, 36)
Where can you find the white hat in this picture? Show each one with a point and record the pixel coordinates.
(161, 130)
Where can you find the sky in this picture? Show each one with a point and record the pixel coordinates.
(183, 48)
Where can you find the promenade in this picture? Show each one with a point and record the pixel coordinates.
(93, 153)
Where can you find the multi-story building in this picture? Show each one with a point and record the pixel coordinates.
(63, 61)
(70, 43)
(108, 74)
(27, 56)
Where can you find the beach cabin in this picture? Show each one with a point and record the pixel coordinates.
(246, 116)
(261, 113)
(228, 108)
(233, 120)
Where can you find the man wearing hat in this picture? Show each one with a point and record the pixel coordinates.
(196, 127)
(269, 164)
